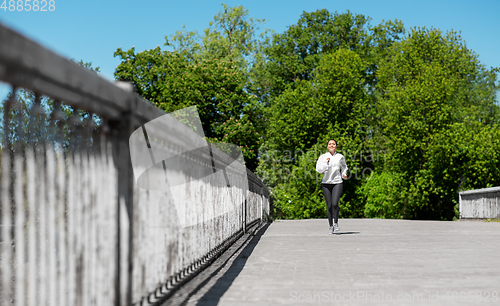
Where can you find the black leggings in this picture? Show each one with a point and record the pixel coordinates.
(332, 194)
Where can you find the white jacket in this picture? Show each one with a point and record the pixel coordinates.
(333, 169)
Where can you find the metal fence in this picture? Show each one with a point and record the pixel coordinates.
(76, 229)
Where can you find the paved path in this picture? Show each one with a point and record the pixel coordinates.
(371, 261)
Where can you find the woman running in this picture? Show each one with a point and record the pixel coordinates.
(333, 165)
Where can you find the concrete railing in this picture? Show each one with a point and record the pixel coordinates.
(480, 203)
(76, 228)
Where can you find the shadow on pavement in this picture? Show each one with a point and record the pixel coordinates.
(346, 233)
(213, 295)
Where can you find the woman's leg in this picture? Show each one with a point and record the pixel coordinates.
(327, 193)
(336, 193)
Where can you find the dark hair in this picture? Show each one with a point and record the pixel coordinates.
(331, 140)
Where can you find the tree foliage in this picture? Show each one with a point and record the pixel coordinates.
(414, 112)
(210, 72)
(333, 99)
(32, 121)
(231, 36)
(293, 55)
(432, 91)
(424, 100)
(172, 82)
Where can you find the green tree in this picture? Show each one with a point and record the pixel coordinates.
(382, 193)
(318, 77)
(331, 105)
(428, 83)
(334, 99)
(298, 196)
(172, 81)
(210, 71)
(34, 124)
(234, 37)
(317, 83)
(293, 55)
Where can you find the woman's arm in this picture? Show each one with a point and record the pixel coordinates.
(321, 164)
(343, 167)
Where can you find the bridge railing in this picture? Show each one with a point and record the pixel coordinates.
(480, 203)
(76, 229)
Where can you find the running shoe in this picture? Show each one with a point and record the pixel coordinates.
(336, 227)
(330, 231)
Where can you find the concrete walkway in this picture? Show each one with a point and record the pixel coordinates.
(370, 261)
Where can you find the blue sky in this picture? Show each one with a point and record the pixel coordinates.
(91, 30)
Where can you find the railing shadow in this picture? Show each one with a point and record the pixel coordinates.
(214, 294)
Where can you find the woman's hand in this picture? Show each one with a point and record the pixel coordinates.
(344, 176)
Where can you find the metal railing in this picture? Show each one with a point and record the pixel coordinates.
(75, 227)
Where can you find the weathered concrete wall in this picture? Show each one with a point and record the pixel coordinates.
(76, 228)
(167, 241)
(480, 203)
